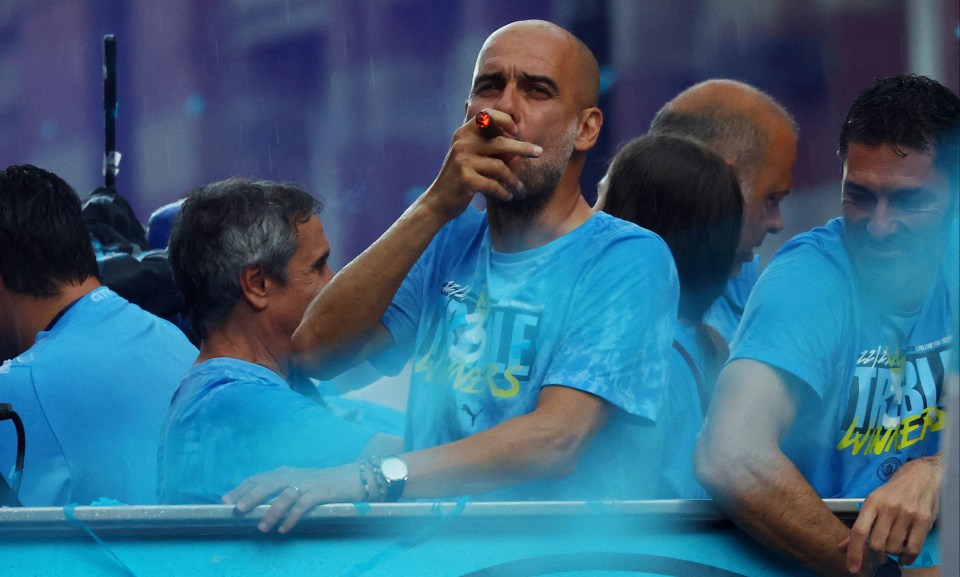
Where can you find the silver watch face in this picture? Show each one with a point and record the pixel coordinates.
(393, 469)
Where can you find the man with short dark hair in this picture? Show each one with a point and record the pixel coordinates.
(538, 358)
(758, 137)
(839, 364)
(248, 257)
(90, 374)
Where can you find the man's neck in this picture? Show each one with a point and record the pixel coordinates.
(512, 232)
(243, 341)
(35, 314)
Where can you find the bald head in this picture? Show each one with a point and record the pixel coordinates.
(575, 51)
(733, 118)
(753, 133)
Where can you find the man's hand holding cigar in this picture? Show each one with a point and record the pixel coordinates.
(480, 161)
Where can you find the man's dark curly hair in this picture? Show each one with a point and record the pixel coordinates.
(909, 113)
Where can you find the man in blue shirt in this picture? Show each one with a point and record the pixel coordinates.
(753, 133)
(839, 363)
(536, 354)
(248, 256)
(90, 374)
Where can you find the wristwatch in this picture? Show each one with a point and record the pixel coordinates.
(889, 569)
(393, 473)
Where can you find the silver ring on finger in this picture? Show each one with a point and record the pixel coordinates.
(295, 488)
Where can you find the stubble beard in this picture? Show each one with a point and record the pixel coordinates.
(540, 177)
(887, 280)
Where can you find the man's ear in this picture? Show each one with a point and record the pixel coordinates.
(254, 284)
(591, 119)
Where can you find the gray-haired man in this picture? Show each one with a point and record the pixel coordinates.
(248, 257)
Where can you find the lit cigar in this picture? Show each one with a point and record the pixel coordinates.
(488, 128)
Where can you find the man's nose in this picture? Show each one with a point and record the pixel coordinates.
(883, 221)
(507, 101)
(774, 220)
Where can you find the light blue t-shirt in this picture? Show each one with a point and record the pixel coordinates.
(231, 419)
(592, 310)
(725, 313)
(92, 392)
(877, 376)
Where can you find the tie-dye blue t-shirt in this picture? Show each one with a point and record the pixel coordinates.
(231, 419)
(592, 310)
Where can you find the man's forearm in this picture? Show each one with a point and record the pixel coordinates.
(753, 481)
(544, 444)
(771, 501)
(341, 319)
(488, 461)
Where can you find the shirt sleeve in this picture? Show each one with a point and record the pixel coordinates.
(402, 318)
(617, 341)
(796, 316)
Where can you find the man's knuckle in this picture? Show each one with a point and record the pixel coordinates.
(881, 500)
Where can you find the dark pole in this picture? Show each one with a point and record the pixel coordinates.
(111, 158)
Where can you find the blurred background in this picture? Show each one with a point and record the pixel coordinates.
(357, 99)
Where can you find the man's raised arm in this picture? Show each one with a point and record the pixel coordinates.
(341, 327)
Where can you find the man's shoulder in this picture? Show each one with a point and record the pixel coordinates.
(614, 241)
(459, 236)
(600, 228)
(823, 243)
(600, 225)
(97, 350)
(626, 248)
(103, 317)
(815, 262)
(222, 371)
(226, 385)
(471, 221)
(604, 225)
